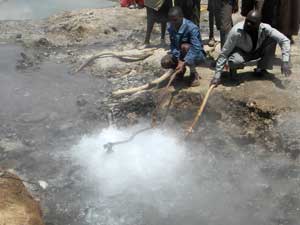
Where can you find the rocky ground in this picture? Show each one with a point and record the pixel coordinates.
(251, 117)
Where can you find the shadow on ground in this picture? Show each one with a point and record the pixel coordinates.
(231, 81)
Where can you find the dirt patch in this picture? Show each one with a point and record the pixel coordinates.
(17, 206)
(89, 26)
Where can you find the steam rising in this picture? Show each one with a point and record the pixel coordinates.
(140, 163)
(157, 179)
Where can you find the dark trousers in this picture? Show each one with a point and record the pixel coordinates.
(265, 54)
(191, 9)
(226, 23)
(220, 12)
(213, 16)
(248, 5)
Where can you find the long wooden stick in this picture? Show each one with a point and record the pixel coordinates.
(200, 111)
(126, 55)
(164, 77)
(162, 94)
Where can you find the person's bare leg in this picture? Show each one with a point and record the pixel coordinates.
(163, 33)
(150, 24)
(211, 20)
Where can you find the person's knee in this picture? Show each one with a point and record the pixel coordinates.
(234, 64)
(236, 60)
(185, 47)
(167, 62)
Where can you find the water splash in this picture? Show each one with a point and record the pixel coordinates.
(147, 162)
(156, 179)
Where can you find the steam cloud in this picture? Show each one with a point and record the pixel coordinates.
(157, 179)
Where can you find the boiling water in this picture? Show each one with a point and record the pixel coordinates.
(142, 163)
(157, 179)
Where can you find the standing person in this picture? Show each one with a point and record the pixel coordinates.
(267, 8)
(248, 5)
(212, 9)
(250, 40)
(227, 7)
(191, 9)
(196, 12)
(157, 12)
(284, 15)
(132, 4)
(186, 46)
(220, 12)
(289, 14)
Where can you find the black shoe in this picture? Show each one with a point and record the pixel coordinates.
(260, 72)
(211, 42)
(233, 74)
(194, 79)
(140, 6)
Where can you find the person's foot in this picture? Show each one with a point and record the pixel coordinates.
(211, 42)
(132, 6)
(232, 72)
(147, 43)
(163, 43)
(260, 72)
(233, 75)
(140, 6)
(194, 79)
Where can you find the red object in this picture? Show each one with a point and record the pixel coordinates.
(126, 3)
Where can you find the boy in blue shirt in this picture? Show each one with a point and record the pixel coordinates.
(186, 46)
